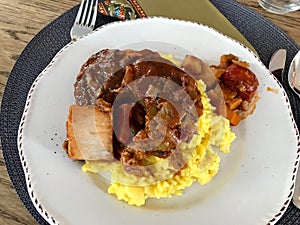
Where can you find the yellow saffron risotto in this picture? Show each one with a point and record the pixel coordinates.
(202, 165)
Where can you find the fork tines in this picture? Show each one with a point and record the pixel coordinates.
(87, 13)
(85, 20)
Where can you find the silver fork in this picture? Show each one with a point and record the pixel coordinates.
(85, 20)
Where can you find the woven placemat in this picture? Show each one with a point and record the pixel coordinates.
(261, 33)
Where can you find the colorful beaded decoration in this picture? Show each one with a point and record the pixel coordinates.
(122, 9)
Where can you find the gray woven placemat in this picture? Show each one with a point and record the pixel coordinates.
(262, 34)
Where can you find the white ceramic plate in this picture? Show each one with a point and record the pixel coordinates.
(253, 187)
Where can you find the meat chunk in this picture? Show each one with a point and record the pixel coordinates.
(167, 99)
(199, 69)
(97, 72)
(241, 80)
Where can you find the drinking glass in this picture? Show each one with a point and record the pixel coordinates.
(280, 6)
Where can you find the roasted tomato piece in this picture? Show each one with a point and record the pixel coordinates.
(241, 80)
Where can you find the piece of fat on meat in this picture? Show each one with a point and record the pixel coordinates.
(89, 134)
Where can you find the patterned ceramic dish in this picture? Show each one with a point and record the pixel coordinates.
(255, 181)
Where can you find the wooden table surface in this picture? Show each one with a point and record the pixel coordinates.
(20, 21)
